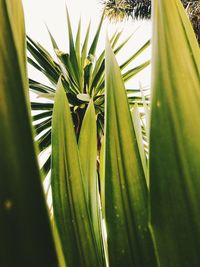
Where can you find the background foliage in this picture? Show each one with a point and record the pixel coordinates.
(141, 9)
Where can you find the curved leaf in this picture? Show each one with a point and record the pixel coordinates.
(129, 241)
(26, 238)
(174, 137)
(69, 201)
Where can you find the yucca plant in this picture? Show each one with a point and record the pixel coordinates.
(83, 77)
(124, 189)
(151, 217)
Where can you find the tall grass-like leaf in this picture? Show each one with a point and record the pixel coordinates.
(78, 44)
(69, 200)
(174, 137)
(129, 242)
(73, 54)
(102, 175)
(93, 46)
(25, 232)
(129, 60)
(85, 46)
(132, 72)
(91, 54)
(88, 152)
(88, 157)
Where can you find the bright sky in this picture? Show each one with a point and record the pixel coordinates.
(53, 14)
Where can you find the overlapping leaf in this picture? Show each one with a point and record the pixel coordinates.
(88, 156)
(174, 137)
(26, 238)
(71, 211)
(129, 242)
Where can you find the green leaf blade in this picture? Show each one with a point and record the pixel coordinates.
(26, 237)
(174, 137)
(129, 242)
(73, 55)
(69, 201)
(88, 157)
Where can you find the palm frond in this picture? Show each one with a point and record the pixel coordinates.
(118, 10)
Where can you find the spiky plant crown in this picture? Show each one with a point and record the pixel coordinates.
(82, 73)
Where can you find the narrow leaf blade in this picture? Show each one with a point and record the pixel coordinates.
(174, 137)
(129, 242)
(26, 238)
(69, 201)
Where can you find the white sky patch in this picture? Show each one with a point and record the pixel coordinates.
(53, 14)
